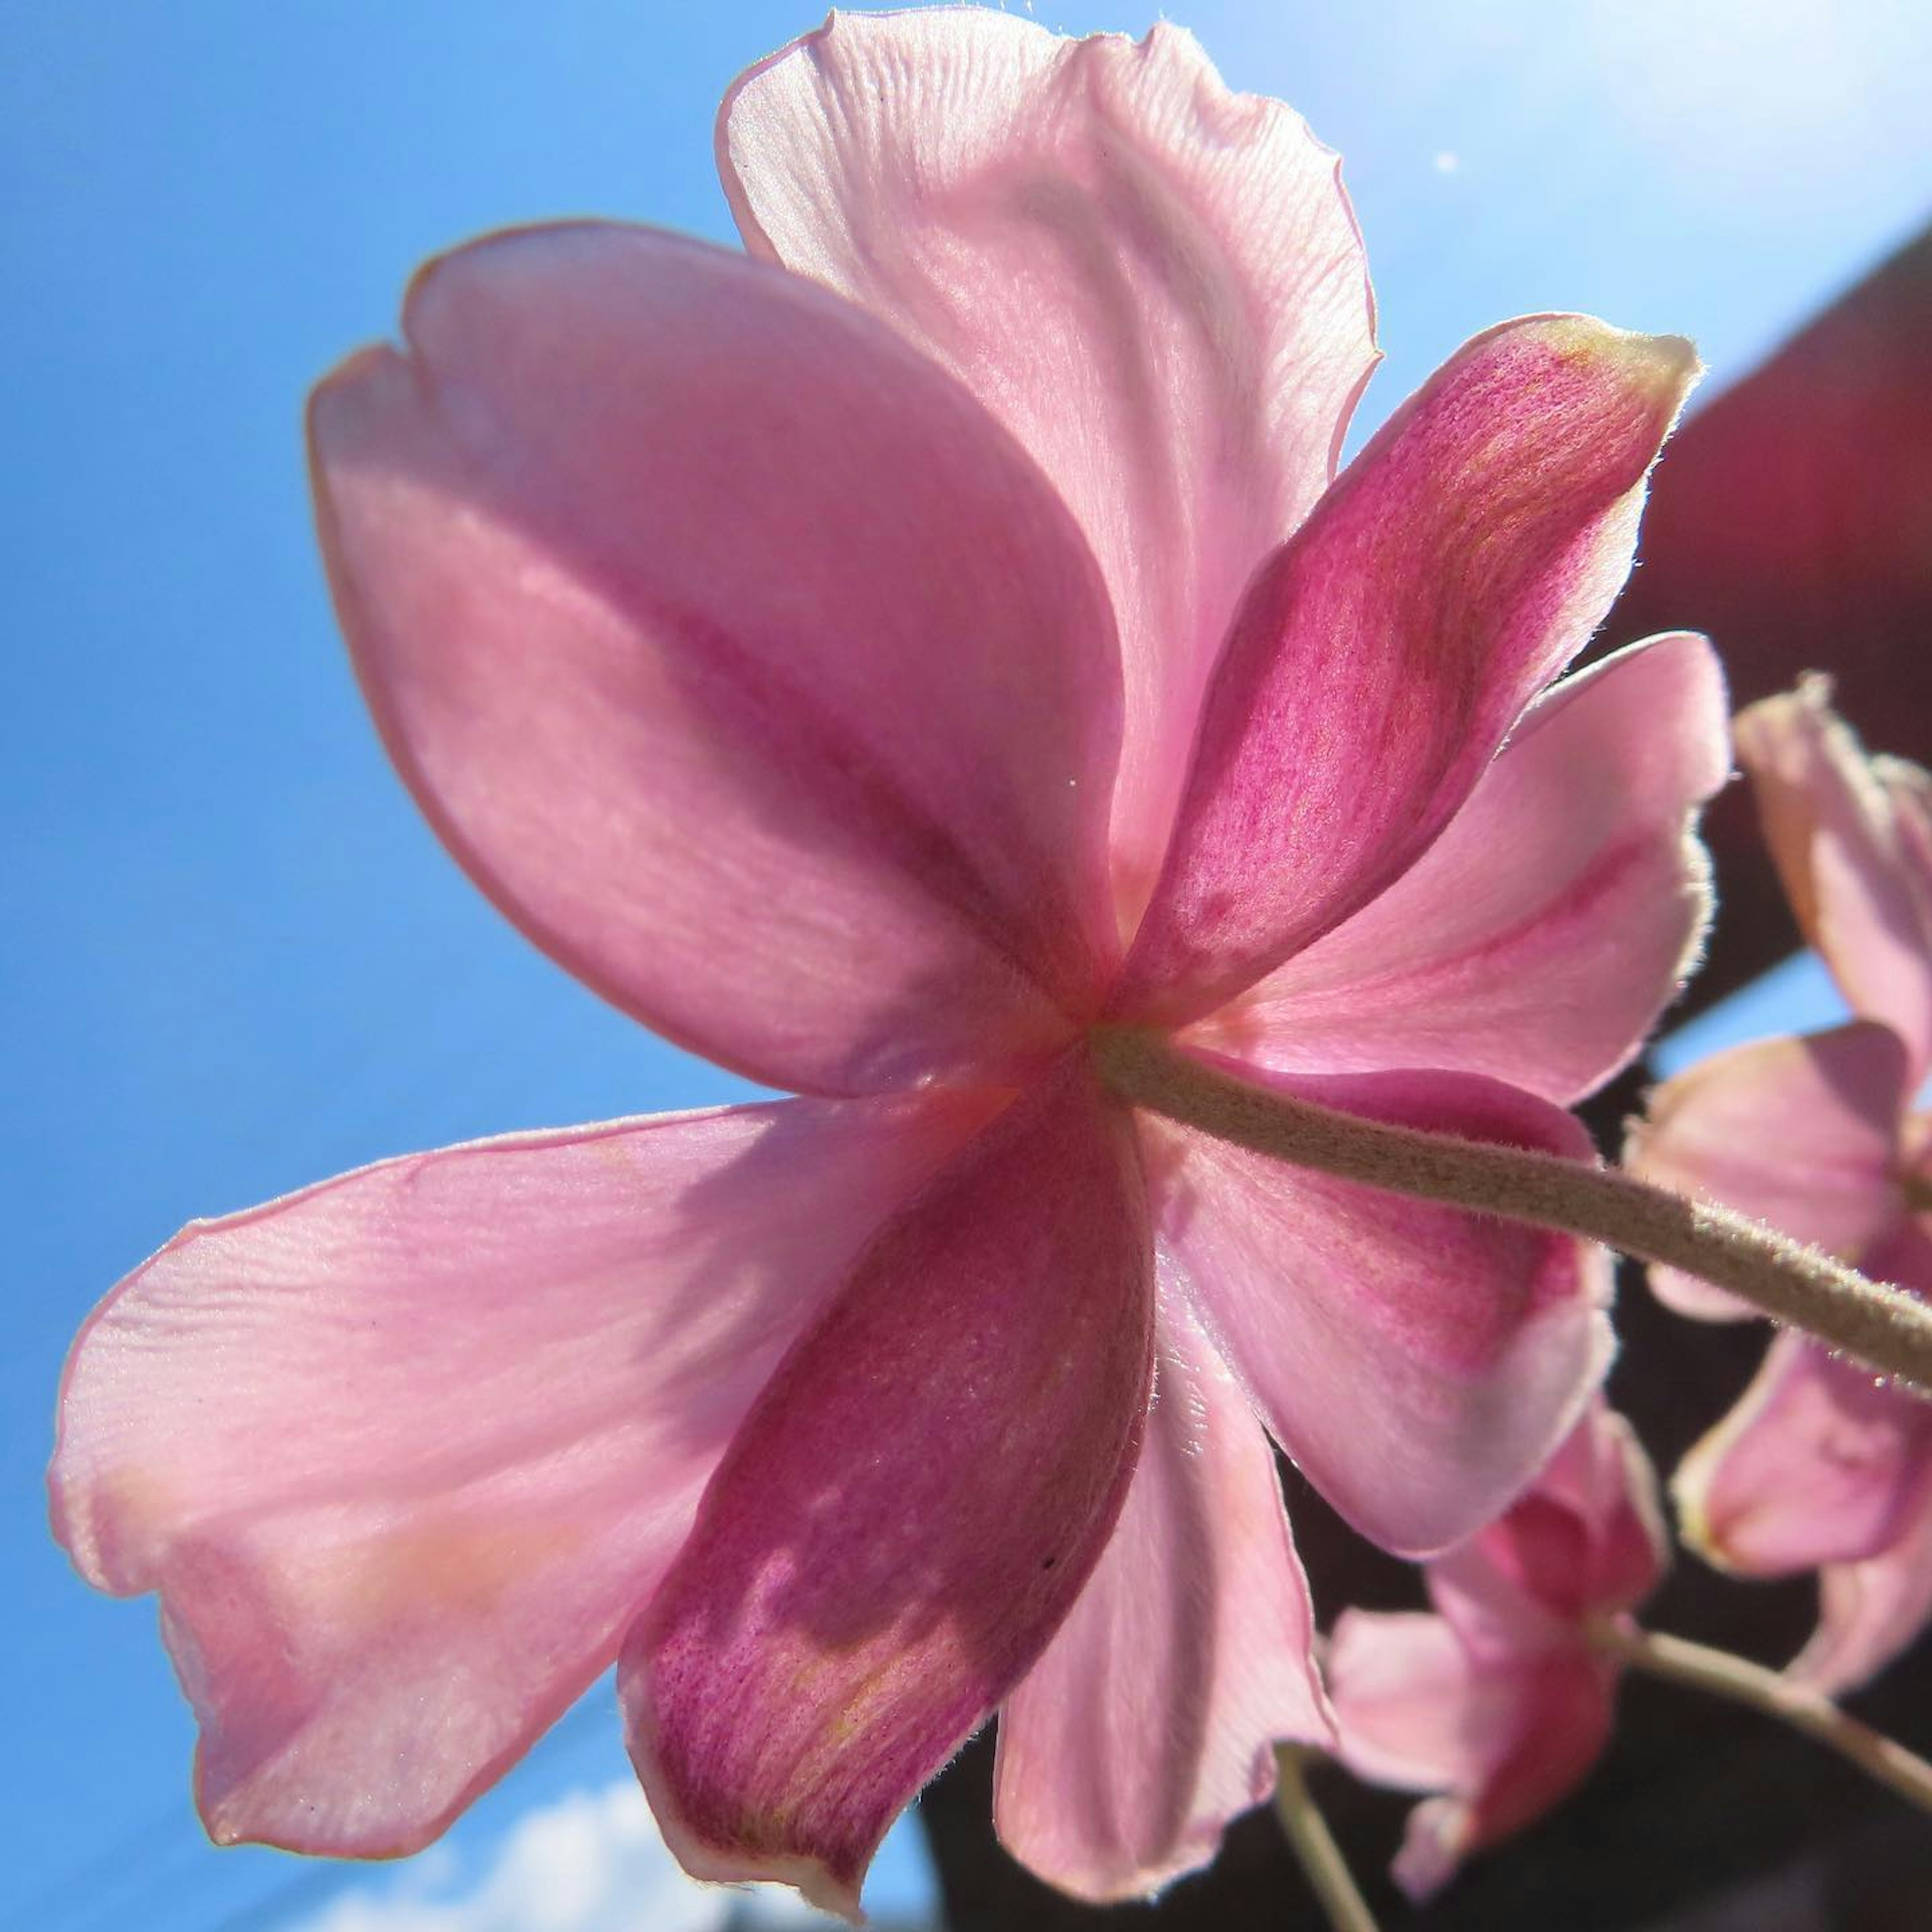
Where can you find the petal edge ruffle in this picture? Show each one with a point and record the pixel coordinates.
(404, 1453)
(1155, 284)
(878, 762)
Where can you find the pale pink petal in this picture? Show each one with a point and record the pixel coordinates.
(1800, 1133)
(1419, 1363)
(1872, 1612)
(1507, 1738)
(1603, 1475)
(1147, 1725)
(1434, 1842)
(740, 656)
(1857, 886)
(1156, 284)
(1412, 1710)
(1908, 790)
(1563, 1718)
(1820, 1462)
(1380, 657)
(911, 1510)
(1587, 1539)
(404, 1453)
(1539, 937)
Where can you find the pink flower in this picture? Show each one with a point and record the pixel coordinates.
(875, 672)
(1821, 1465)
(1501, 1701)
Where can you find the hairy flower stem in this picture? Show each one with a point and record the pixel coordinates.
(1881, 1326)
(1314, 1845)
(1744, 1682)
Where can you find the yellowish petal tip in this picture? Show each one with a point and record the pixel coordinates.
(1665, 366)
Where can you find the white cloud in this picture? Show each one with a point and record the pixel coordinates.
(592, 1861)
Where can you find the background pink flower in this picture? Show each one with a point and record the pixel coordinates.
(1821, 1465)
(1500, 1702)
(875, 687)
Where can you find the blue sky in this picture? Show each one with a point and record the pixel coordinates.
(235, 961)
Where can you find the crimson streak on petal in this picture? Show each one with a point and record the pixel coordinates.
(899, 1528)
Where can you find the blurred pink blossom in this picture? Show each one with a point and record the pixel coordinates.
(1821, 1465)
(875, 664)
(1500, 1703)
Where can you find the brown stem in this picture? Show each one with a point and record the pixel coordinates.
(1883, 1326)
(1681, 1661)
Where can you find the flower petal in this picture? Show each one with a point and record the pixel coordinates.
(911, 1510)
(692, 603)
(1856, 883)
(1819, 1462)
(1564, 1709)
(1801, 1132)
(1412, 1711)
(1382, 655)
(1147, 1725)
(1156, 285)
(1908, 790)
(1507, 1737)
(1871, 1612)
(1537, 940)
(404, 1453)
(1419, 1363)
(1587, 1539)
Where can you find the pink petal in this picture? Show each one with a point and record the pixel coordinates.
(909, 1511)
(1147, 1725)
(1156, 284)
(1603, 1477)
(1507, 1737)
(1908, 791)
(1539, 937)
(404, 1453)
(1872, 1612)
(1419, 1363)
(1564, 1710)
(1412, 1710)
(692, 603)
(1587, 1539)
(1380, 656)
(1858, 886)
(1802, 1133)
(1820, 1462)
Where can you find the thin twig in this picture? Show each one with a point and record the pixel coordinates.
(1314, 1845)
(1743, 1682)
(1884, 1326)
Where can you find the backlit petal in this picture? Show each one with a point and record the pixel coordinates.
(1857, 883)
(404, 1453)
(1871, 1612)
(1563, 1708)
(1801, 1132)
(1147, 1725)
(1419, 1363)
(738, 653)
(1380, 657)
(1156, 284)
(1587, 1539)
(1504, 1737)
(1537, 940)
(1413, 1711)
(911, 1510)
(1820, 1462)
